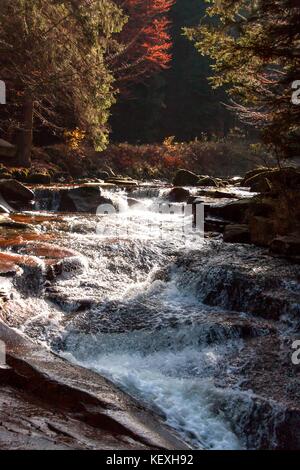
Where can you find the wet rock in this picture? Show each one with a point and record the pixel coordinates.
(86, 198)
(178, 194)
(57, 405)
(237, 233)
(217, 194)
(122, 182)
(8, 266)
(266, 180)
(241, 278)
(240, 211)
(214, 225)
(207, 181)
(15, 193)
(185, 178)
(236, 181)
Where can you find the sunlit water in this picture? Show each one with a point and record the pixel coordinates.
(154, 339)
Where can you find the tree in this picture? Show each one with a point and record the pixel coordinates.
(255, 49)
(146, 41)
(53, 57)
(178, 100)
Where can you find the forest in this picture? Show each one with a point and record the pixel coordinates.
(90, 75)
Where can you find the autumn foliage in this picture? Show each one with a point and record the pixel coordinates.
(146, 40)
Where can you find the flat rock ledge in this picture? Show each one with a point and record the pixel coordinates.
(49, 403)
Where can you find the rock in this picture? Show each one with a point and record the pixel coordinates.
(240, 211)
(15, 193)
(7, 150)
(178, 194)
(251, 173)
(90, 412)
(217, 194)
(288, 245)
(39, 178)
(237, 234)
(236, 181)
(273, 179)
(262, 230)
(122, 182)
(185, 178)
(207, 181)
(86, 198)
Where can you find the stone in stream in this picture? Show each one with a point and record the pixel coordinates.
(16, 194)
(240, 211)
(185, 178)
(178, 194)
(85, 198)
(241, 278)
(207, 181)
(74, 407)
(265, 180)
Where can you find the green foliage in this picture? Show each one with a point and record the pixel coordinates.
(254, 46)
(55, 53)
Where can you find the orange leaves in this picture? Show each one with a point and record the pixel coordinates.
(146, 38)
(74, 138)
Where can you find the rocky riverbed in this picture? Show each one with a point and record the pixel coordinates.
(197, 331)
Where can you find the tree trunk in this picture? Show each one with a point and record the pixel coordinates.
(25, 134)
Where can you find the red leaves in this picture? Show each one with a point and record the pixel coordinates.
(146, 38)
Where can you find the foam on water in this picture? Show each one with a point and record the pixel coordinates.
(146, 327)
(169, 381)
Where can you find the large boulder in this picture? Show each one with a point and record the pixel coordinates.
(240, 211)
(178, 194)
(273, 179)
(15, 193)
(186, 178)
(86, 198)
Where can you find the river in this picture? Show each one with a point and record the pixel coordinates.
(152, 308)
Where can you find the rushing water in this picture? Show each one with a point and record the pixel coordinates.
(129, 316)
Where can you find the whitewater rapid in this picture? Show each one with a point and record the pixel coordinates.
(133, 317)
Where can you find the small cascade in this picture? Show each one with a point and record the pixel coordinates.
(186, 326)
(47, 199)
